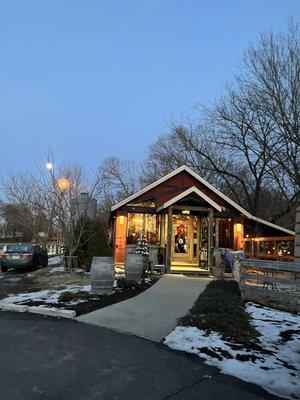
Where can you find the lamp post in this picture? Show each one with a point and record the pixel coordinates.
(60, 186)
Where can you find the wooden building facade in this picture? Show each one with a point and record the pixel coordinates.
(185, 218)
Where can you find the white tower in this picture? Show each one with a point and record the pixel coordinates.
(84, 206)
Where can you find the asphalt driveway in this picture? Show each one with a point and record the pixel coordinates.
(45, 358)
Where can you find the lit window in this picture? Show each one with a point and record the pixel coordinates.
(141, 223)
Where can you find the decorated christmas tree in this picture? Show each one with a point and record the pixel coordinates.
(142, 245)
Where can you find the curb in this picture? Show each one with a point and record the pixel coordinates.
(13, 307)
(51, 311)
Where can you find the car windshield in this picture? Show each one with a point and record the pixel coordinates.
(19, 248)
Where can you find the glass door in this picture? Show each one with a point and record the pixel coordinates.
(185, 240)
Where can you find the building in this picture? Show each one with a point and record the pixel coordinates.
(84, 206)
(55, 247)
(185, 218)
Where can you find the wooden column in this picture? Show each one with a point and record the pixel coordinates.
(120, 237)
(198, 239)
(169, 239)
(210, 240)
(162, 230)
(217, 233)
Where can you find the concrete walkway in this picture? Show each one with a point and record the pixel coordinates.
(153, 313)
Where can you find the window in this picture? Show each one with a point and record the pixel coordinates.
(141, 223)
(19, 248)
(225, 239)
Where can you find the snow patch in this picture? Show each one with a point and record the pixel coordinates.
(57, 270)
(45, 296)
(276, 369)
(54, 260)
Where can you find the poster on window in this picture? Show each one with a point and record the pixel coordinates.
(181, 239)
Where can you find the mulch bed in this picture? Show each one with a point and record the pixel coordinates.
(91, 302)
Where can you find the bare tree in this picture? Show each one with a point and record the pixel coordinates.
(23, 206)
(177, 148)
(248, 142)
(117, 179)
(271, 75)
(45, 202)
(220, 152)
(243, 133)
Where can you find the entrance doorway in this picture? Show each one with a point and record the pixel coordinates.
(185, 240)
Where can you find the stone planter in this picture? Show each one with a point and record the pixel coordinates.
(217, 272)
(102, 275)
(134, 266)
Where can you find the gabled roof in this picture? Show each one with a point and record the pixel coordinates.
(263, 221)
(209, 186)
(187, 192)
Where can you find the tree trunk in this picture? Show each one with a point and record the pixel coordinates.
(297, 236)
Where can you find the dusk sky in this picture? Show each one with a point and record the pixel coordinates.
(97, 78)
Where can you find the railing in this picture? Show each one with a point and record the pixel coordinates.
(270, 248)
(273, 283)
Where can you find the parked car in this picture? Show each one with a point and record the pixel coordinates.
(23, 255)
(2, 250)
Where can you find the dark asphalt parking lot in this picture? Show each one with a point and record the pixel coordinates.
(46, 358)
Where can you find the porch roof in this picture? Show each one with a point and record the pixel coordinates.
(192, 190)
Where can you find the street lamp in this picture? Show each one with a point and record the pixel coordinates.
(49, 166)
(63, 184)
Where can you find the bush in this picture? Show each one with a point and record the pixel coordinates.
(123, 283)
(219, 308)
(94, 244)
(67, 297)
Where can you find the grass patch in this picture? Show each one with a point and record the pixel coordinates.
(67, 297)
(219, 308)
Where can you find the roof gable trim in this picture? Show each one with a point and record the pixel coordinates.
(182, 195)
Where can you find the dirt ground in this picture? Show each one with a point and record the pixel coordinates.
(43, 279)
(53, 278)
(20, 281)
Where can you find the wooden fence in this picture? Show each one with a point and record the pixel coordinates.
(273, 283)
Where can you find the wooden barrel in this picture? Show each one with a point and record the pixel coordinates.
(134, 265)
(102, 275)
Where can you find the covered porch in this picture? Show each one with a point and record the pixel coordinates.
(188, 231)
(184, 219)
(181, 233)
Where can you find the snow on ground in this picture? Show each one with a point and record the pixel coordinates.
(61, 270)
(46, 296)
(9, 278)
(54, 260)
(57, 270)
(278, 371)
